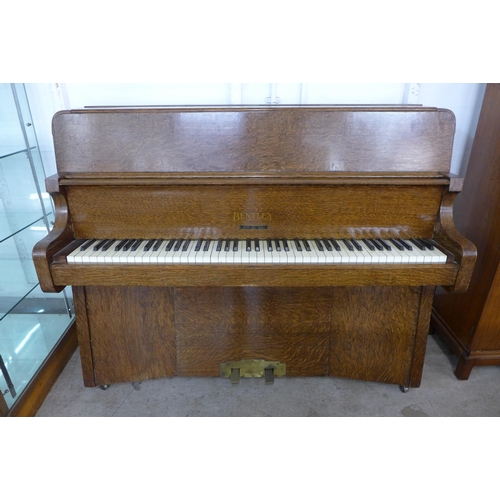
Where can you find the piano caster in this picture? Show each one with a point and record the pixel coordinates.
(104, 387)
(404, 388)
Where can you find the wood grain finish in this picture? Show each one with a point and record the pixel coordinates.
(220, 211)
(464, 250)
(131, 333)
(309, 172)
(366, 333)
(374, 333)
(255, 139)
(59, 237)
(215, 325)
(470, 322)
(254, 275)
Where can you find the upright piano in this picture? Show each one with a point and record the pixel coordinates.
(253, 241)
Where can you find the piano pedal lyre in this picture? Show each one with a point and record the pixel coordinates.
(247, 368)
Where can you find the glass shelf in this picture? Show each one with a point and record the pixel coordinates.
(31, 321)
(28, 334)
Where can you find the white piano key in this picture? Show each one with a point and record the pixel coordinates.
(140, 253)
(438, 256)
(294, 253)
(363, 255)
(347, 256)
(215, 257)
(308, 256)
(320, 254)
(90, 256)
(165, 252)
(252, 255)
(203, 257)
(75, 255)
(333, 256)
(229, 252)
(391, 256)
(376, 256)
(105, 255)
(148, 255)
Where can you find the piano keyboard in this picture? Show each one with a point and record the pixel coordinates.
(258, 251)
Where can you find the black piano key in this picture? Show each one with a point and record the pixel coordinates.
(257, 245)
(87, 244)
(249, 245)
(417, 243)
(107, 246)
(285, 246)
(348, 245)
(306, 245)
(100, 244)
(406, 245)
(298, 245)
(396, 244)
(207, 245)
(378, 244)
(157, 245)
(219, 245)
(357, 245)
(269, 245)
(320, 245)
(198, 245)
(170, 244)
(277, 244)
(128, 244)
(335, 244)
(186, 245)
(385, 245)
(369, 244)
(120, 244)
(136, 245)
(227, 244)
(327, 244)
(428, 243)
(235, 245)
(178, 244)
(148, 245)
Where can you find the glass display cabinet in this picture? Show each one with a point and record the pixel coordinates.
(33, 324)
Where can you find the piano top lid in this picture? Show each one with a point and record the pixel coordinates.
(283, 139)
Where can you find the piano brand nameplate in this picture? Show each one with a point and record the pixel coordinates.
(254, 227)
(252, 216)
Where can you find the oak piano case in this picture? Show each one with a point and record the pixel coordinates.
(297, 241)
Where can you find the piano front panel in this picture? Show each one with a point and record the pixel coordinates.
(289, 325)
(139, 333)
(373, 333)
(241, 212)
(130, 331)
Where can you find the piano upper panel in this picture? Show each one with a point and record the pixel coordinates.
(258, 139)
(331, 205)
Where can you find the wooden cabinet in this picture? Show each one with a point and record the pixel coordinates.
(470, 322)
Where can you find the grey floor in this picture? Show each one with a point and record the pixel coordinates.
(440, 395)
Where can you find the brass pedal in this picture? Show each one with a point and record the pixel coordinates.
(247, 368)
(235, 376)
(269, 375)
